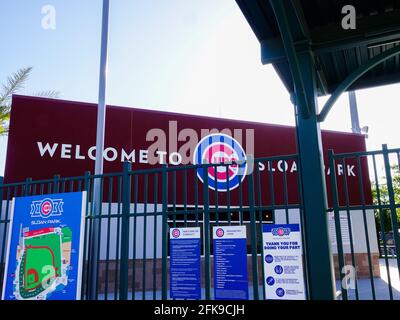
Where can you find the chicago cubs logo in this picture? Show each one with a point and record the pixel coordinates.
(280, 232)
(218, 149)
(46, 208)
(220, 232)
(176, 233)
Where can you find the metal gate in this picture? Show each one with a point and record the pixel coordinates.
(365, 232)
(139, 206)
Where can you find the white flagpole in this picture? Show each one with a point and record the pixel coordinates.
(101, 115)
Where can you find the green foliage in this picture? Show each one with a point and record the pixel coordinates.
(14, 84)
(381, 197)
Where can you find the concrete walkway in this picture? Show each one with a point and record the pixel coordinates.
(364, 287)
(380, 286)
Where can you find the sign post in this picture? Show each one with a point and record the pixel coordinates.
(185, 263)
(45, 248)
(283, 264)
(230, 263)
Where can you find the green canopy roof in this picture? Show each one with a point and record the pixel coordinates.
(316, 24)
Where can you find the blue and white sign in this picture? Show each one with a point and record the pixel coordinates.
(230, 263)
(221, 148)
(45, 247)
(283, 264)
(185, 263)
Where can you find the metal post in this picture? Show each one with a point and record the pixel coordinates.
(164, 282)
(253, 228)
(56, 188)
(207, 238)
(355, 122)
(338, 228)
(318, 250)
(126, 202)
(101, 114)
(28, 183)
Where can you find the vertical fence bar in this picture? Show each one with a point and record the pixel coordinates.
(28, 184)
(259, 195)
(86, 187)
(207, 267)
(144, 249)
(338, 229)
(124, 266)
(98, 241)
(272, 188)
(118, 240)
(110, 190)
(164, 276)
(383, 228)
(3, 221)
(361, 189)
(216, 205)
(135, 206)
(155, 212)
(185, 197)
(253, 228)
(228, 195)
(392, 202)
(349, 223)
(285, 192)
(56, 184)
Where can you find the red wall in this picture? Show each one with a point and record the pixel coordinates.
(54, 121)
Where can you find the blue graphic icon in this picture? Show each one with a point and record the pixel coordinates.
(278, 269)
(280, 292)
(269, 258)
(270, 281)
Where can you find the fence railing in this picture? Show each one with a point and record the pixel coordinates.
(363, 221)
(139, 206)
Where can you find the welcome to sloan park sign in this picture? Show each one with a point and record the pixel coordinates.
(49, 137)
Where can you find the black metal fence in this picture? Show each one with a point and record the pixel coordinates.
(126, 242)
(139, 206)
(366, 232)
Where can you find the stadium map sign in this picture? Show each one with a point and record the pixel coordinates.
(45, 248)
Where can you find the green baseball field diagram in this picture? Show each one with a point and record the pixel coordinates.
(42, 262)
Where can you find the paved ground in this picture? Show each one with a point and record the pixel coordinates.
(380, 285)
(364, 287)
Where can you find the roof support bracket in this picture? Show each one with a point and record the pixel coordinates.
(284, 27)
(353, 77)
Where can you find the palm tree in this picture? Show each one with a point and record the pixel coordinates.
(15, 83)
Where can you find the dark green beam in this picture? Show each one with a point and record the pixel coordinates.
(284, 27)
(354, 76)
(318, 253)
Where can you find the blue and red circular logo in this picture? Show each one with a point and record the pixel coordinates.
(176, 233)
(220, 232)
(216, 149)
(46, 208)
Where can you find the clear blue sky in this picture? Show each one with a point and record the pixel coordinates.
(192, 56)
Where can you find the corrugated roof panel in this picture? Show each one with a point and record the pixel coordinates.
(338, 51)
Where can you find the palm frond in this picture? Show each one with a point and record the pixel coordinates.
(47, 94)
(14, 83)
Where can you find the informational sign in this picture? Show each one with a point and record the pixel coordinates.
(45, 248)
(344, 227)
(230, 263)
(185, 263)
(283, 265)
